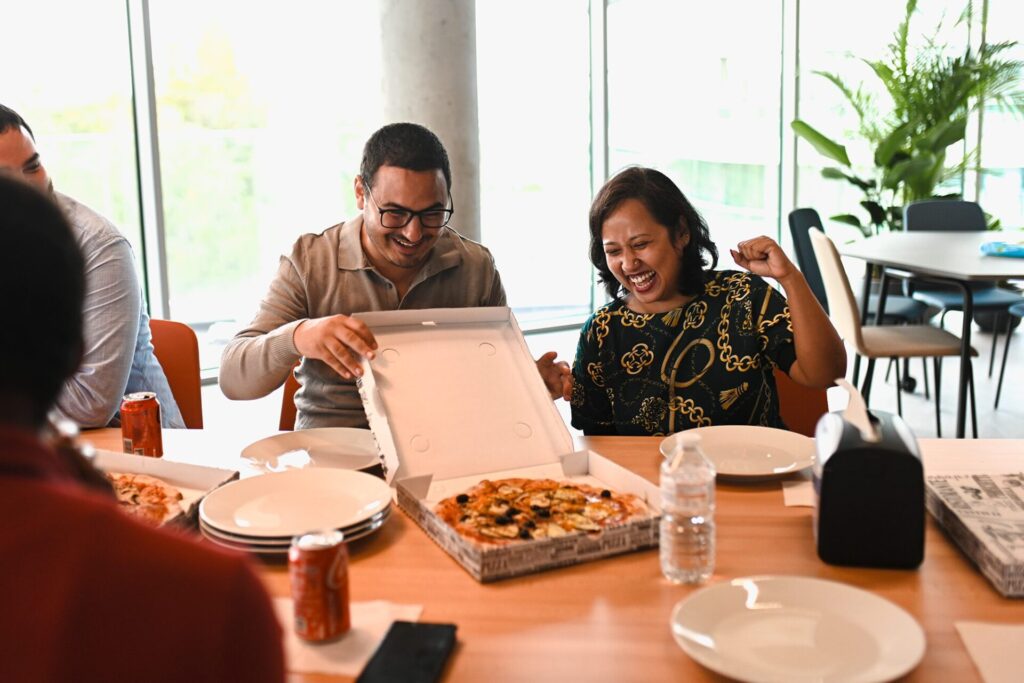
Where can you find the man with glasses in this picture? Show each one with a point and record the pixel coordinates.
(399, 253)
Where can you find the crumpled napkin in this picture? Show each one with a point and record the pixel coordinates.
(996, 649)
(348, 655)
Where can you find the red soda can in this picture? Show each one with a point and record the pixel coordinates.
(318, 569)
(140, 424)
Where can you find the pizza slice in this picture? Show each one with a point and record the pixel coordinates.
(147, 498)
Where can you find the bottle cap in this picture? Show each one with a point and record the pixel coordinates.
(688, 439)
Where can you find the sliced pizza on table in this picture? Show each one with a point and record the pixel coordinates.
(145, 497)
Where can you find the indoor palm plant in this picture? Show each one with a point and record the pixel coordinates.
(932, 93)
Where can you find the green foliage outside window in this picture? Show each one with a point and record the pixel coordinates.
(931, 95)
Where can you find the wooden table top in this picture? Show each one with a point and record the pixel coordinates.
(608, 619)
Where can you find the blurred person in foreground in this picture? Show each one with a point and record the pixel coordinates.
(682, 345)
(399, 253)
(88, 593)
(118, 357)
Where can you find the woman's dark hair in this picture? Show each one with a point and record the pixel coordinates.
(670, 208)
(405, 145)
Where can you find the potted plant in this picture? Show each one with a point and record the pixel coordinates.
(932, 93)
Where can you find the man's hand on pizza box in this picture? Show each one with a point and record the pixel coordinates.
(338, 340)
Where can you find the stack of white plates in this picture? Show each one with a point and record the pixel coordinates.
(262, 514)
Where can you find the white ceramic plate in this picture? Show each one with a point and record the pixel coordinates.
(797, 629)
(339, 447)
(286, 541)
(283, 549)
(750, 453)
(294, 502)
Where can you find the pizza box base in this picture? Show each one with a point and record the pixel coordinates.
(417, 496)
(454, 397)
(194, 481)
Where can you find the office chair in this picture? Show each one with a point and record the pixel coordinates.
(883, 341)
(899, 310)
(177, 349)
(291, 385)
(800, 407)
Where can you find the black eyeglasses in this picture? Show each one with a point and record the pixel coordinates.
(399, 218)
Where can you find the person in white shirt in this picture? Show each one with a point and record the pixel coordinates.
(118, 356)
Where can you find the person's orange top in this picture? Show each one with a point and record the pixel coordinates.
(89, 594)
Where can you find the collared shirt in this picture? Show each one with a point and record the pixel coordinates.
(706, 363)
(118, 357)
(328, 274)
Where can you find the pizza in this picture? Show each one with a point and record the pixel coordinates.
(152, 500)
(516, 510)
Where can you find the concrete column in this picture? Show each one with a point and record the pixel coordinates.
(429, 77)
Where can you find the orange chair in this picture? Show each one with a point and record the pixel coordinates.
(291, 385)
(799, 406)
(177, 349)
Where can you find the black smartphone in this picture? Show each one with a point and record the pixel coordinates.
(412, 652)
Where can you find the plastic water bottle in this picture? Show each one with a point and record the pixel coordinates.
(687, 513)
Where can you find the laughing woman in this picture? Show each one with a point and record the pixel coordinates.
(682, 345)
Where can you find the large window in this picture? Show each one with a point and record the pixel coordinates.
(867, 30)
(694, 92)
(70, 79)
(262, 113)
(1002, 152)
(261, 127)
(534, 110)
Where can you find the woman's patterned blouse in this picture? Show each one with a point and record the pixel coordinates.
(706, 363)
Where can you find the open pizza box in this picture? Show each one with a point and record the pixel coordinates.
(454, 397)
(194, 481)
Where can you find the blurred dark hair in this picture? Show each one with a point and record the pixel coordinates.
(43, 283)
(12, 119)
(670, 208)
(405, 145)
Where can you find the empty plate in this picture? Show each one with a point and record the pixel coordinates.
(294, 502)
(796, 629)
(338, 447)
(750, 453)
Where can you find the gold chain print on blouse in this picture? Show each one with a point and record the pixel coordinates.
(633, 319)
(688, 408)
(638, 358)
(670, 378)
(733, 362)
(596, 373)
(601, 321)
(695, 315)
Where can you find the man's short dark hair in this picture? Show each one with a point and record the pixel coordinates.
(12, 119)
(669, 207)
(405, 145)
(42, 277)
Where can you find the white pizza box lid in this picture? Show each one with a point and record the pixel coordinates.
(455, 392)
(194, 481)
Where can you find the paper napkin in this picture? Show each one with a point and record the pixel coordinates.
(997, 649)
(348, 655)
(798, 492)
